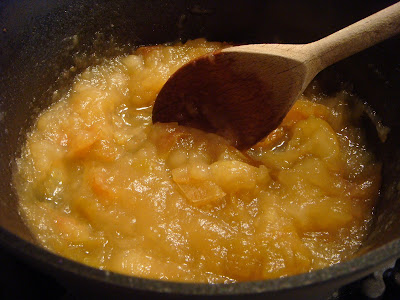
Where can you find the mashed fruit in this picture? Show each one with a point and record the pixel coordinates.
(100, 184)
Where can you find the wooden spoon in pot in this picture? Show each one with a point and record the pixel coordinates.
(244, 92)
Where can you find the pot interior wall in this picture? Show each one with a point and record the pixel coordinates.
(42, 39)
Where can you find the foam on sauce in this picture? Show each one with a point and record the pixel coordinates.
(100, 184)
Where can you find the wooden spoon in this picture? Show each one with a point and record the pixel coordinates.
(244, 92)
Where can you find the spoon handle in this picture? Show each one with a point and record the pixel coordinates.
(358, 36)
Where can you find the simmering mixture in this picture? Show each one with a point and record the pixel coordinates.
(100, 184)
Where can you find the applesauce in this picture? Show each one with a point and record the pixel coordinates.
(100, 184)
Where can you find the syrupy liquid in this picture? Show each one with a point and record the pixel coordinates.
(100, 184)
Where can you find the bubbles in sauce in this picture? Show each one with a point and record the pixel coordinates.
(100, 184)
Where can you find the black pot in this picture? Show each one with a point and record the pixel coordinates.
(37, 45)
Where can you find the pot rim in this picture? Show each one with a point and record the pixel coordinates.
(359, 266)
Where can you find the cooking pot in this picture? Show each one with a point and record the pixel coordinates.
(40, 40)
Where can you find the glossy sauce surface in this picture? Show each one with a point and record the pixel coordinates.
(100, 184)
